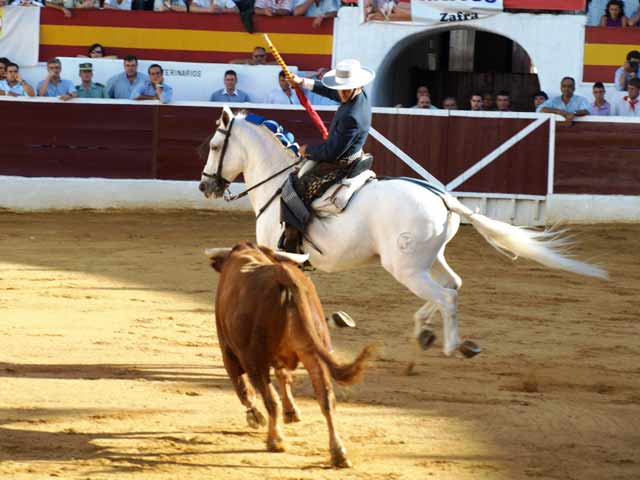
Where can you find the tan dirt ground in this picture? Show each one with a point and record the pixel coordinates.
(109, 364)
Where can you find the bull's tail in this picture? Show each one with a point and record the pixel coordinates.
(343, 373)
(547, 247)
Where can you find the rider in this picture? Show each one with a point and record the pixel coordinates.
(331, 161)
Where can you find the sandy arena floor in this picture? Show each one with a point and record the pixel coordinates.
(110, 367)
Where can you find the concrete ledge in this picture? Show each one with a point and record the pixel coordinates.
(22, 193)
(592, 208)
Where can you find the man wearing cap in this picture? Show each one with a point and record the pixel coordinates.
(89, 89)
(331, 161)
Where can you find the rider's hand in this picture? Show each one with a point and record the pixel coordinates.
(303, 150)
(295, 80)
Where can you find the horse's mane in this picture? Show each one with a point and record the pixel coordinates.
(203, 148)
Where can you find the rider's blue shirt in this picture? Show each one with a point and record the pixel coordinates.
(349, 127)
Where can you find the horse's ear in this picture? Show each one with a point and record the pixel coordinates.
(226, 117)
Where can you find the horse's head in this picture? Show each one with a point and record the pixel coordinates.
(225, 159)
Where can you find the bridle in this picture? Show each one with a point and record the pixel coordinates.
(217, 177)
(224, 183)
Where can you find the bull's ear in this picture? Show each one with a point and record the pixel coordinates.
(217, 256)
(226, 117)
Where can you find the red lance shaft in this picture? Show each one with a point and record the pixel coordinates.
(304, 101)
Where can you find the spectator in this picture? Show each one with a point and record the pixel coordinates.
(89, 89)
(628, 105)
(614, 15)
(214, 6)
(503, 101)
(567, 105)
(123, 84)
(599, 106)
(258, 57)
(154, 87)
(633, 21)
(539, 98)
(58, 5)
(4, 61)
(420, 91)
(450, 103)
(320, 9)
(85, 4)
(14, 85)
(475, 102)
(487, 102)
(424, 101)
(53, 85)
(230, 93)
(283, 94)
(97, 51)
(117, 4)
(627, 71)
(273, 8)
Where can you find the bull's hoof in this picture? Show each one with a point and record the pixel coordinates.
(292, 416)
(426, 339)
(275, 445)
(339, 458)
(343, 320)
(255, 419)
(469, 349)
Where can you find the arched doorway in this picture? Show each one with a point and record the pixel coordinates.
(456, 63)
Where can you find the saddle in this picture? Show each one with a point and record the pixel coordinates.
(322, 195)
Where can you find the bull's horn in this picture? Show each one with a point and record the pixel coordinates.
(213, 252)
(294, 257)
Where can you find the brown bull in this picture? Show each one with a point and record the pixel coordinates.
(268, 314)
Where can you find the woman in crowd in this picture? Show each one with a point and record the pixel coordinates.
(614, 15)
(97, 51)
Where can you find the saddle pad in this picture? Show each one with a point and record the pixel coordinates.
(337, 197)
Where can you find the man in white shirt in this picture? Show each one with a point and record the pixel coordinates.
(629, 105)
(14, 85)
(283, 94)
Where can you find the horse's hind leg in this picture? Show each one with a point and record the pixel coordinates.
(243, 388)
(442, 273)
(285, 379)
(445, 300)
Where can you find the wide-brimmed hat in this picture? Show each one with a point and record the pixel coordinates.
(348, 74)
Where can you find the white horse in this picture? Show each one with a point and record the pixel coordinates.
(401, 224)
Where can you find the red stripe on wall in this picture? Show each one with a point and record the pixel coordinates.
(544, 4)
(623, 36)
(599, 73)
(302, 61)
(183, 21)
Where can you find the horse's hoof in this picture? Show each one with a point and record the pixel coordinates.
(291, 417)
(426, 339)
(469, 349)
(255, 419)
(343, 320)
(339, 458)
(275, 445)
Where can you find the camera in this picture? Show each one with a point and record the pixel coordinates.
(633, 65)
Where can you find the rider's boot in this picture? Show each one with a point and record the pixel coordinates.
(290, 240)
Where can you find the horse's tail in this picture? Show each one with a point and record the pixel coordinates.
(547, 247)
(343, 373)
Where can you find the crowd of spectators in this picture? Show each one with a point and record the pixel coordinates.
(567, 105)
(134, 85)
(318, 9)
